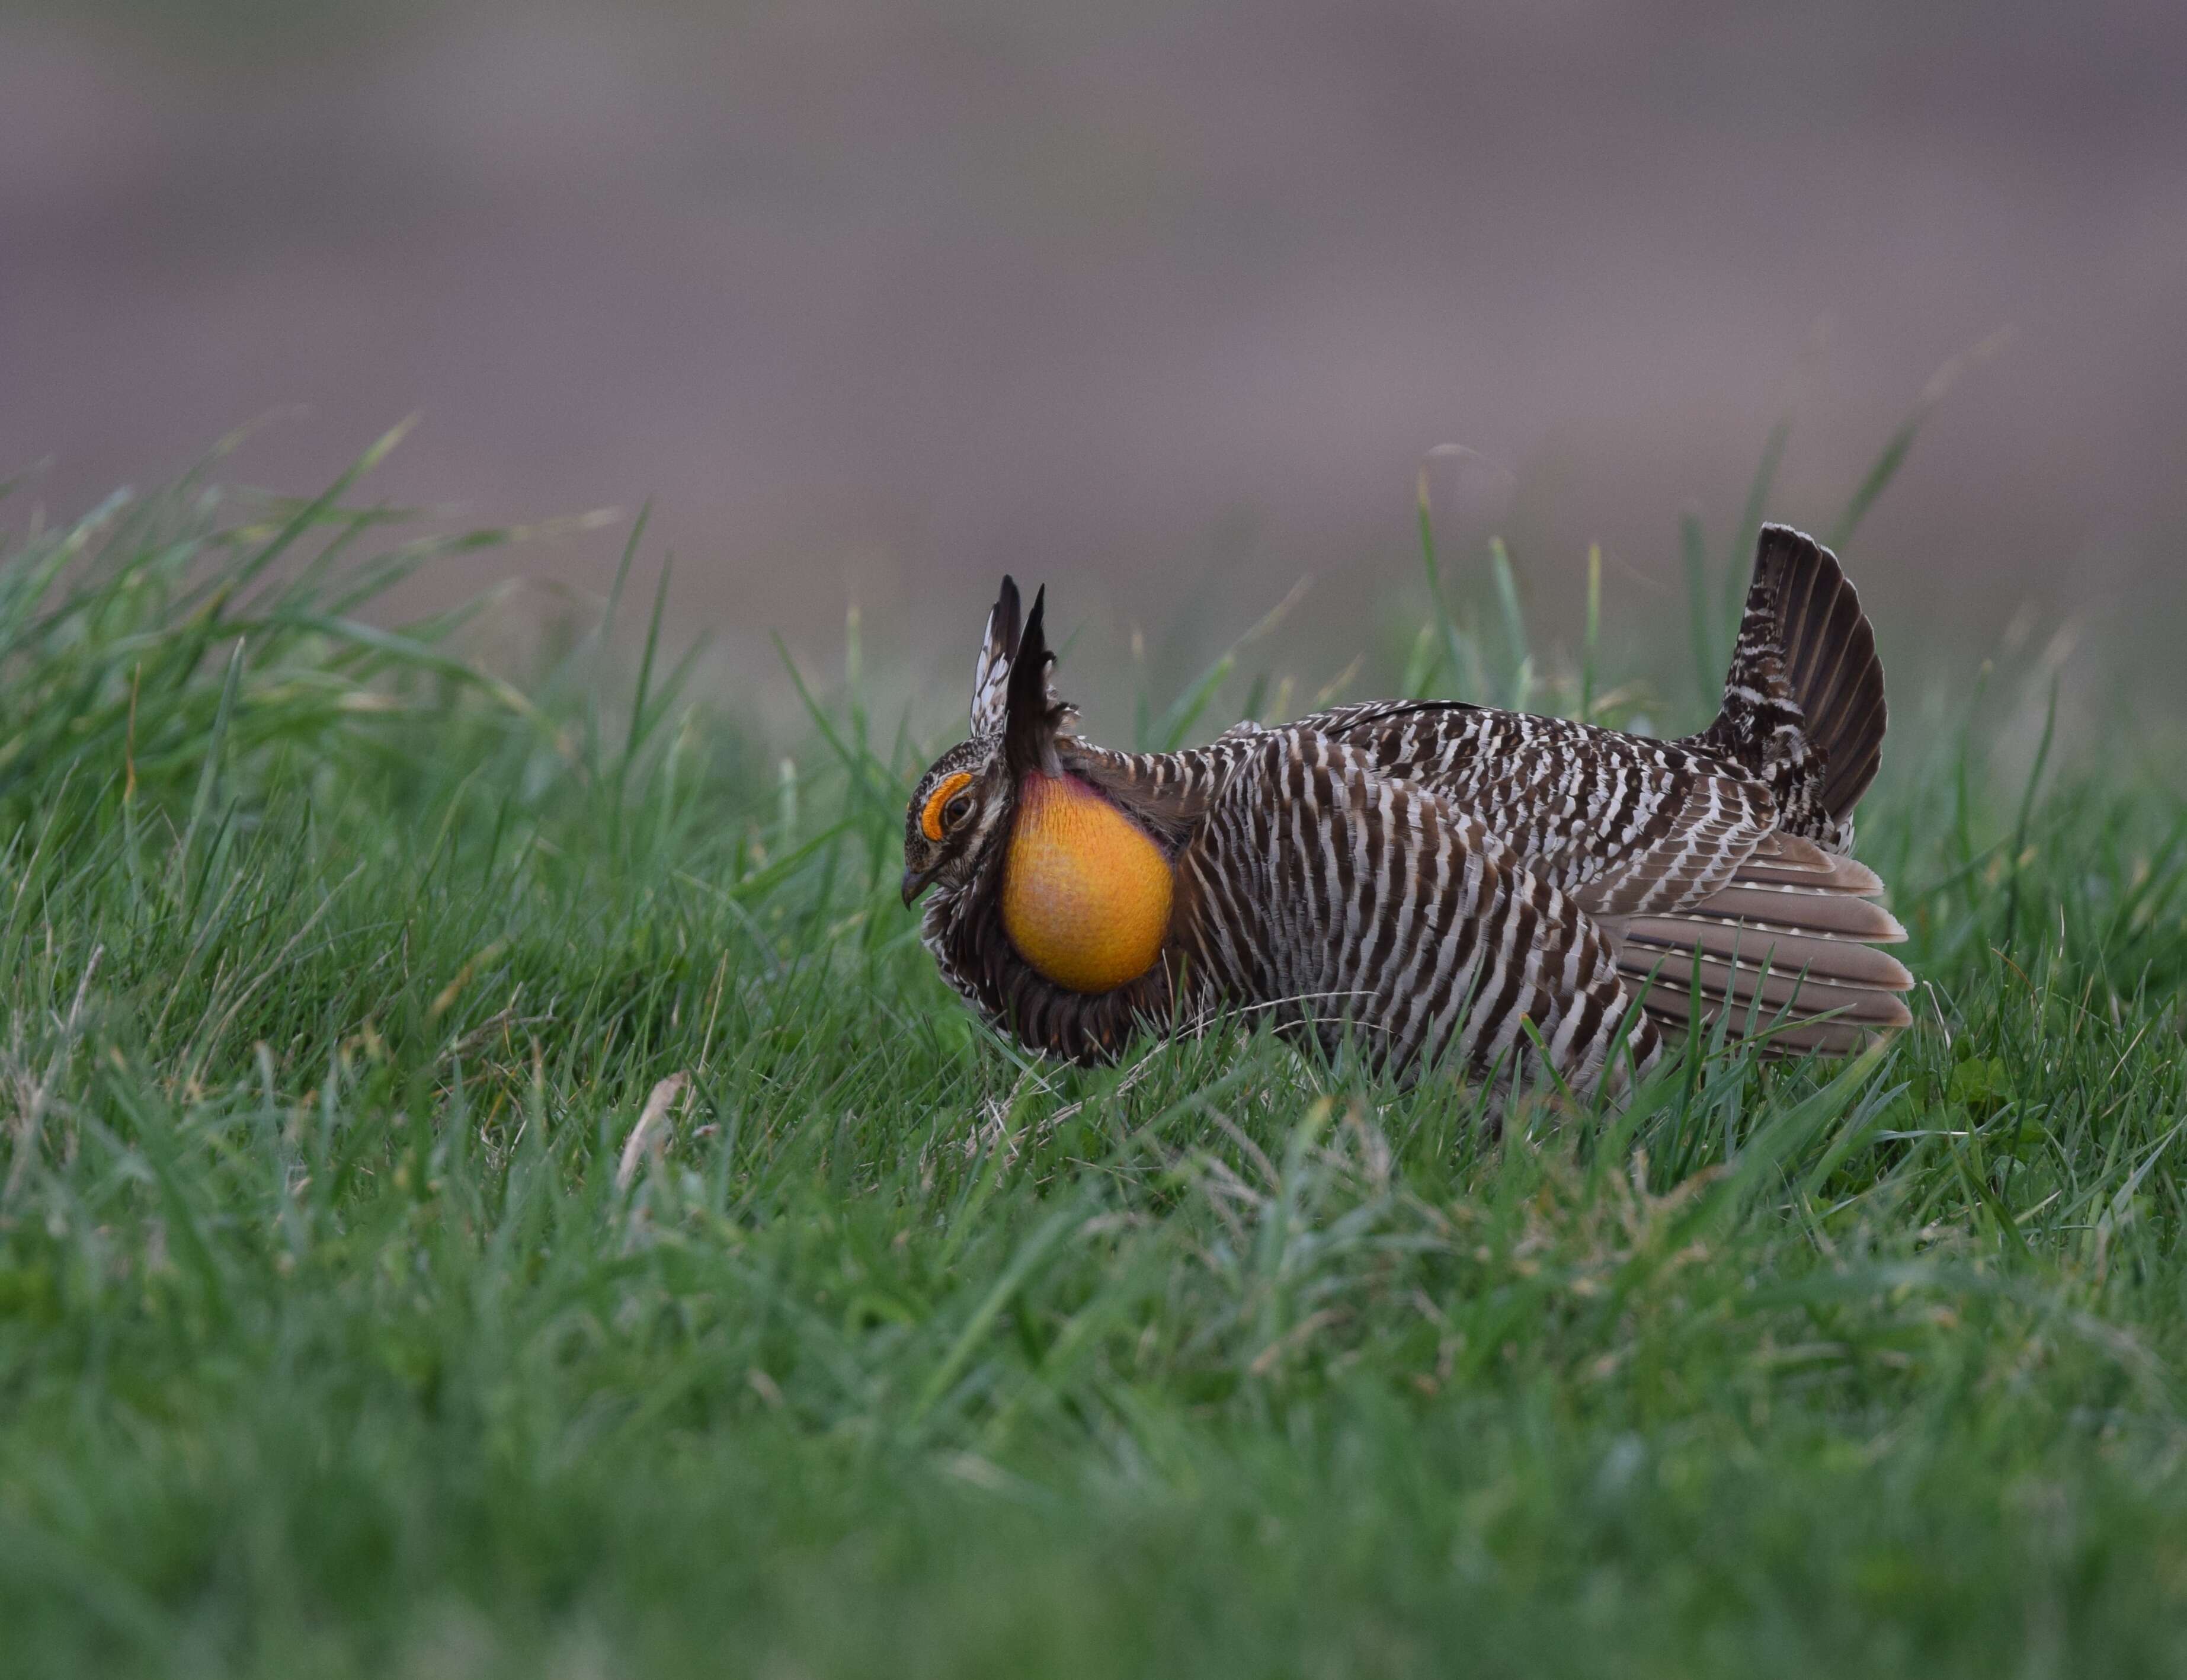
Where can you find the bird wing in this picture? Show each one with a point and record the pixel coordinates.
(1620, 823)
(1677, 855)
(1334, 895)
(1786, 949)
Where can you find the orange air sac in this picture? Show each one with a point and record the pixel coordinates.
(1085, 893)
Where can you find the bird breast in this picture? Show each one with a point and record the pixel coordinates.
(1085, 893)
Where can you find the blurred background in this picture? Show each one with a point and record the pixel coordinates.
(1161, 304)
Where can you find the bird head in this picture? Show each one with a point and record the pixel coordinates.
(962, 805)
(1085, 891)
(956, 812)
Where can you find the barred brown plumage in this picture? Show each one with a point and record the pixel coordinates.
(1451, 884)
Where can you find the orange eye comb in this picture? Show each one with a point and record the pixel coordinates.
(929, 820)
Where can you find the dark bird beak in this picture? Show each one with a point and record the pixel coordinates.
(914, 883)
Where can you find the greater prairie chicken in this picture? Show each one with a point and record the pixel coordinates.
(1447, 883)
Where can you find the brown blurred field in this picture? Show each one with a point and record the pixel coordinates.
(1161, 304)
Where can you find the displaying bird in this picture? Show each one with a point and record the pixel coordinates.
(1450, 884)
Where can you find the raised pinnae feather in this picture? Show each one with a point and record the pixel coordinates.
(1032, 714)
(990, 670)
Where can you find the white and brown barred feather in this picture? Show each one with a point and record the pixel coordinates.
(1458, 887)
(990, 670)
(1364, 903)
(1717, 864)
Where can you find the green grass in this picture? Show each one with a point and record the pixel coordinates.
(334, 1338)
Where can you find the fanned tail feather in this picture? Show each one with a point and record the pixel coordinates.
(1803, 700)
(1786, 953)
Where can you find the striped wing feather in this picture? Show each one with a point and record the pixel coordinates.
(1790, 945)
(1678, 859)
(1619, 821)
(1355, 900)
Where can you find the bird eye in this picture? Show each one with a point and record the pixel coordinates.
(949, 804)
